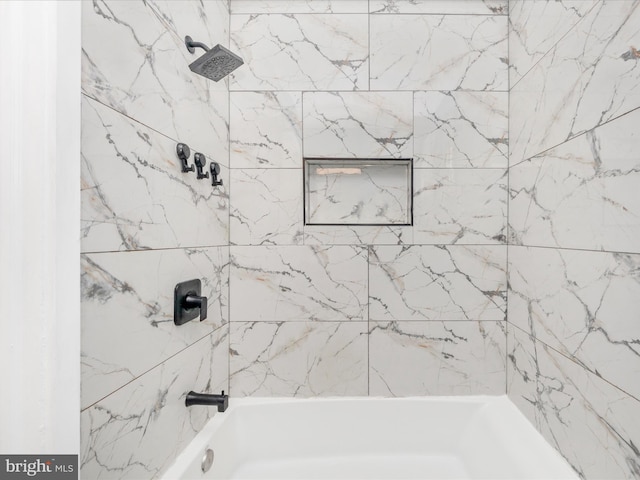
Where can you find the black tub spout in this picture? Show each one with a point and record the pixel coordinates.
(193, 398)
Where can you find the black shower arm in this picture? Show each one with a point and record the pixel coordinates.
(191, 45)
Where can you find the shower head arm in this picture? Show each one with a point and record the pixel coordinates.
(191, 45)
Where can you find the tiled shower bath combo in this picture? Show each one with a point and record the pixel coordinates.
(511, 267)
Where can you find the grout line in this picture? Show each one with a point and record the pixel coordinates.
(507, 223)
(363, 320)
(229, 228)
(507, 325)
(369, 45)
(573, 249)
(503, 169)
(161, 249)
(360, 91)
(377, 14)
(369, 320)
(347, 244)
(303, 204)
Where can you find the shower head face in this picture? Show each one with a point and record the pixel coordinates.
(216, 63)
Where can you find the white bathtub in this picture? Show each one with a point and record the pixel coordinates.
(371, 438)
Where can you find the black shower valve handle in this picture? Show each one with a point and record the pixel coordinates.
(184, 152)
(188, 302)
(214, 168)
(192, 300)
(200, 161)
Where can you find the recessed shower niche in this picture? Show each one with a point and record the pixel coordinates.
(346, 191)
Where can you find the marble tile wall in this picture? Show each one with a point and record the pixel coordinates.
(301, 51)
(417, 52)
(583, 304)
(134, 194)
(436, 358)
(298, 358)
(591, 422)
(535, 27)
(573, 358)
(146, 226)
(358, 124)
(437, 282)
(582, 193)
(417, 79)
(587, 78)
(132, 308)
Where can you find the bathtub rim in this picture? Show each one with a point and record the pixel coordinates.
(203, 438)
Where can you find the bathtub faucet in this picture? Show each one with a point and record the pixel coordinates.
(222, 400)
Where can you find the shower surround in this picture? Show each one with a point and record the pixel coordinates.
(297, 310)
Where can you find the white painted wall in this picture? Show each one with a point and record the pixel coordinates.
(39, 234)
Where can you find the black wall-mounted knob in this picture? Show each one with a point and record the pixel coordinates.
(214, 168)
(184, 152)
(200, 161)
(188, 303)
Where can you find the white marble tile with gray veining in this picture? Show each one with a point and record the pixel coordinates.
(583, 304)
(535, 27)
(461, 129)
(300, 52)
(206, 22)
(138, 431)
(357, 235)
(594, 425)
(439, 52)
(437, 283)
(298, 283)
(358, 124)
(298, 359)
(437, 358)
(267, 207)
(135, 61)
(461, 206)
(582, 194)
(299, 6)
(266, 130)
(127, 311)
(477, 7)
(134, 194)
(589, 77)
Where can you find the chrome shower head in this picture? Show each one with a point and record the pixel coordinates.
(216, 63)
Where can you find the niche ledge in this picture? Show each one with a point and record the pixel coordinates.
(347, 191)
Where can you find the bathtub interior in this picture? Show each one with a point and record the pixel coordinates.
(437, 437)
